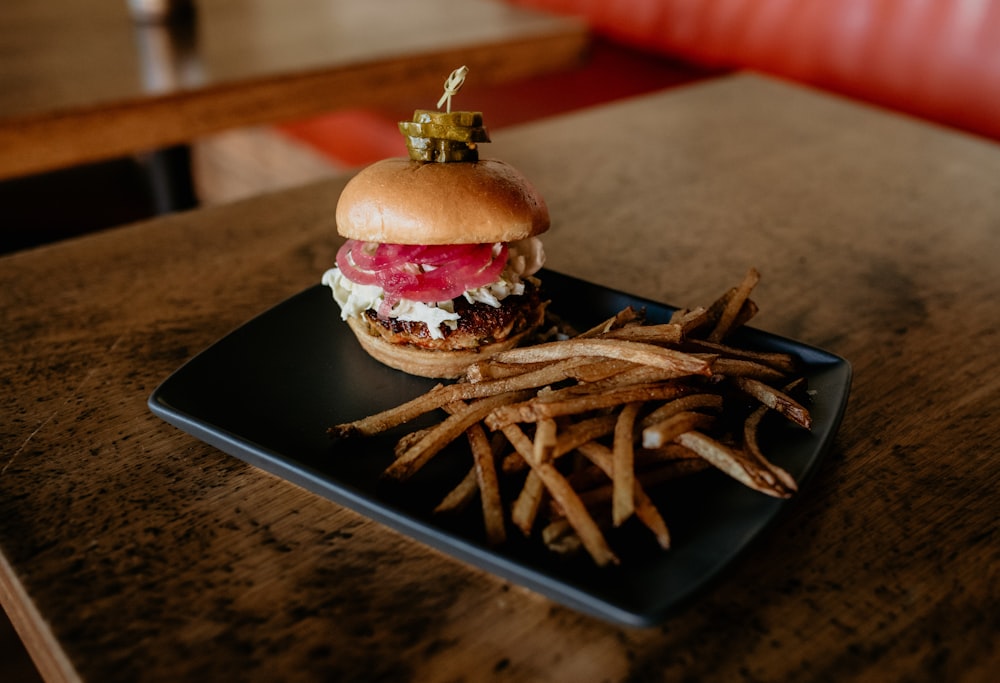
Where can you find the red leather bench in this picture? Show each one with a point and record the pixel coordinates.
(935, 59)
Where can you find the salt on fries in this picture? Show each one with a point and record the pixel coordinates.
(583, 427)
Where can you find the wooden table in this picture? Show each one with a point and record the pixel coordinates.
(133, 551)
(80, 82)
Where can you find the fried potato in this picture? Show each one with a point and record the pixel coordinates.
(568, 439)
(776, 400)
(733, 307)
(666, 333)
(540, 408)
(460, 496)
(644, 508)
(560, 490)
(623, 317)
(623, 469)
(634, 352)
(593, 422)
(439, 436)
(524, 511)
(691, 402)
(668, 429)
(734, 463)
(484, 466)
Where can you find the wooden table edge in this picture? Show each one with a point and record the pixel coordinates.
(35, 144)
(43, 647)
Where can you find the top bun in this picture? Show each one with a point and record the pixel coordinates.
(401, 201)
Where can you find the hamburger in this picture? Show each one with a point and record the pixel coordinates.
(438, 267)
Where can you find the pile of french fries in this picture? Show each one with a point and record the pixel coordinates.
(578, 429)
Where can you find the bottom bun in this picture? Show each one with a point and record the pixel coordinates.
(437, 364)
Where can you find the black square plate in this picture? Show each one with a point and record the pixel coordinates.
(266, 393)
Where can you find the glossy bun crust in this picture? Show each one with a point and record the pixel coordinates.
(400, 201)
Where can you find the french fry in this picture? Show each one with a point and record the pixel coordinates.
(568, 439)
(734, 305)
(489, 369)
(545, 440)
(560, 490)
(750, 430)
(740, 367)
(644, 508)
(690, 402)
(439, 436)
(782, 362)
(533, 410)
(623, 472)
(600, 369)
(634, 352)
(387, 419)
(525, 508)
(668, 429)
(408, 440)
(714, 312)
(636, 405)
(735, 464)
(460, 496)
(752, 449)
(776, 400)
(637, 374)
(559, 537)
(690, 320)
(484, 467)
(537, 376)
(666, 333)
(620, 319)
(441, 395)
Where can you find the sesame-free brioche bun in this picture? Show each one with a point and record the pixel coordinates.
(401, 201)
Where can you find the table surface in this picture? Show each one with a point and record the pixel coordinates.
(132, 550)
(81, 82)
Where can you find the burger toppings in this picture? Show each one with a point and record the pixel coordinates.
(477, 323)
(441, 249)
(421, 273)
(417, 283)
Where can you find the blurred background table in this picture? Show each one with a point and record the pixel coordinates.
(131, 551)
(81, 81)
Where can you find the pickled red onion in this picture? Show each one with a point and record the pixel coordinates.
(427, 273)
(350, 254)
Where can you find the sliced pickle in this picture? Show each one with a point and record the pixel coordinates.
(437, 143)
(443, 150)
(444, 132)
(465, 119)
(444, 136)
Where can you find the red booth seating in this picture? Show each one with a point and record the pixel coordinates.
(934, 59)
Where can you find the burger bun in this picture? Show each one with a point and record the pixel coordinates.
(401, 201)
(429, 362)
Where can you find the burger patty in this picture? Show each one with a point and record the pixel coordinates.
(478, 323)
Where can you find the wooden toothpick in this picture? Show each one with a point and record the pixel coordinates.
(452, 86)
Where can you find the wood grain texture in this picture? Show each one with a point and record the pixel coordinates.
(151, 555)
(80, 82)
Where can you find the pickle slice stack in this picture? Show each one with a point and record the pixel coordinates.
(444, 136)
